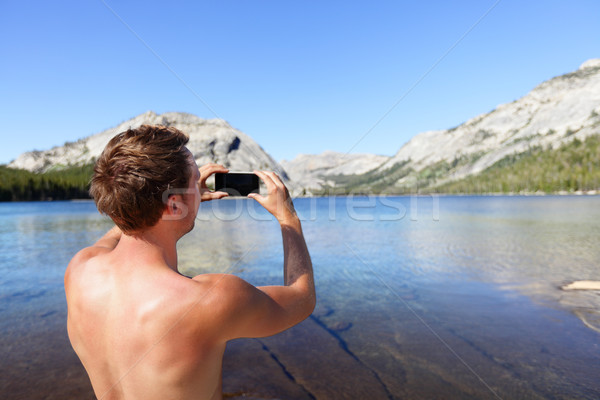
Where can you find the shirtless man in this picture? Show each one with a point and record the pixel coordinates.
(142, 330)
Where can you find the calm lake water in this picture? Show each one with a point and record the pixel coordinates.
(418, 298)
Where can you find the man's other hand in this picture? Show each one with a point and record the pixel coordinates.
(205, 171)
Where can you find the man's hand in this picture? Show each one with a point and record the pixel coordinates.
(278, 201)
(111, 239)
(205, 171)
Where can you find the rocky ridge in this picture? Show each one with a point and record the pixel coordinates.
(211, 140)
(312, 172)
(554, 113)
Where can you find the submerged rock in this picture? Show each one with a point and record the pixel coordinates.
(582, 285)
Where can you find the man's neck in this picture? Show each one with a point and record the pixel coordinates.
(153, 244)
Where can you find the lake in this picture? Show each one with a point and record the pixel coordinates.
(418, 297)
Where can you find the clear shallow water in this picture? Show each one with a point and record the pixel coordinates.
(450, 297)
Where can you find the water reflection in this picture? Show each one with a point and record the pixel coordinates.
(531, 245)
(229, 236)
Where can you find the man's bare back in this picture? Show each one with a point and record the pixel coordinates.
(131, 329)
(143, 331)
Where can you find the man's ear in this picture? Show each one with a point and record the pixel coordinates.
(175, 208)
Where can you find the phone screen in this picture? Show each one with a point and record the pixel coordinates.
(236, 183)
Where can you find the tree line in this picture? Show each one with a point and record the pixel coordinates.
(572, 167)
(65, 184)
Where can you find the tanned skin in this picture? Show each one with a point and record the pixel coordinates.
(143, 331)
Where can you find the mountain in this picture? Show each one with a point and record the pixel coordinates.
(556, 113)
(211, 140)
(312, 172)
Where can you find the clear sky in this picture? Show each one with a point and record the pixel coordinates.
(298, 77)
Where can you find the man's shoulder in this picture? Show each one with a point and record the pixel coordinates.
(77, 265)
(230, 305)
(223, 284)
(224, 292)
(85, 254)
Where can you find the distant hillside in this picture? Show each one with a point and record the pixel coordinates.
(312, 172)
(211, 140)
(63, 172)
(573, 167)
(29, 176)
(556, 113)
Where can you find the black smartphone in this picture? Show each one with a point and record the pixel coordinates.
(236, 183)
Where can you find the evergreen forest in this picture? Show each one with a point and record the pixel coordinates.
(61, 184)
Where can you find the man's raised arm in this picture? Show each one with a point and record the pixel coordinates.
(267, 310)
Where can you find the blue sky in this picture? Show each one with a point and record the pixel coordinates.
(298, 77)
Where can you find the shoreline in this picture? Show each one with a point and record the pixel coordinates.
(494, 194)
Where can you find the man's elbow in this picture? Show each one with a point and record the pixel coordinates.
(304, 305)
(313, 300)
(306, 295)
(309, 304)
